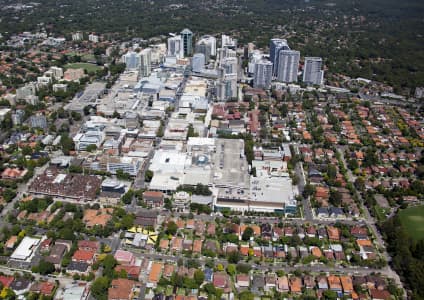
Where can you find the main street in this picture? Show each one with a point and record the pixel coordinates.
(269, 266)
(62, 280)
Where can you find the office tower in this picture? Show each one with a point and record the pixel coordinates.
(254, 57)
(312, 73)
(263, 74)
(93, 38)
(230, 65)
(187, 37)
(56, 72)
(132, 60)
(176, 47)
(145, 62)
(288, 65)
(275, 46)
(226, 88)
(207, 46)
(26, 91)
(198, 62)
(77, 36)
(228, 42)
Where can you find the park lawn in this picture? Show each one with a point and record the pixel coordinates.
(169, 290)
(381, 213)
(86, 66)
(413, 220)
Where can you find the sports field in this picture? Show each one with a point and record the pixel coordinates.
(86, 66)
(413, 220)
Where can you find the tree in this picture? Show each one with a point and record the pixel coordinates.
(234, 257)
(246, 295)
(231, 269)
(76, 116)
(45, 267)
(7, 294)
(331, 171)
(199, 277)
(308, 190)
(123, 274)
(243, 268)
(109, 263)
(91, 148)
(329, 295)
(128, 197)
(120, 174)
(284, 110)
(247, 234)
(171, 228)
(127, 221)
(99, 288)
(148, 176)
(67, 144)
(87, 110)
(335, 197)
(191, 132)
(209, 289)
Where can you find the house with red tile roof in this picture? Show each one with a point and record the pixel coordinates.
(44, 288)
(164, 244)
(197, 246)
(13, 173)
(155, 272)
(283, 284)
(295, 284)
(243, 280)
(6, 281)
(347, 284)
(221, 280)
(83, 256)
(133, 272)
(121, 289)
(89, 245)
(380, 294)
(333, 233)
(124, 257)
(334, 283)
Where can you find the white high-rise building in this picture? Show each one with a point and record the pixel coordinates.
(145, 62)
(176, 47)
(228, 42)
(56, 72)
(132, 60)
(230, 65)
(312, 73)
(77, 36)
(93, 38)
(28, 90)
(254, 57)
(206, 45)
(198, 62)
(288, 65)
(275, 46)
(263, 74)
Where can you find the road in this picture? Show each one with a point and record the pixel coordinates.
(317, 268)
(370, 221)
(306, 203)
(63, 281)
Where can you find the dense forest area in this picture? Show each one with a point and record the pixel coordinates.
(376, 39)
(407, 254)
